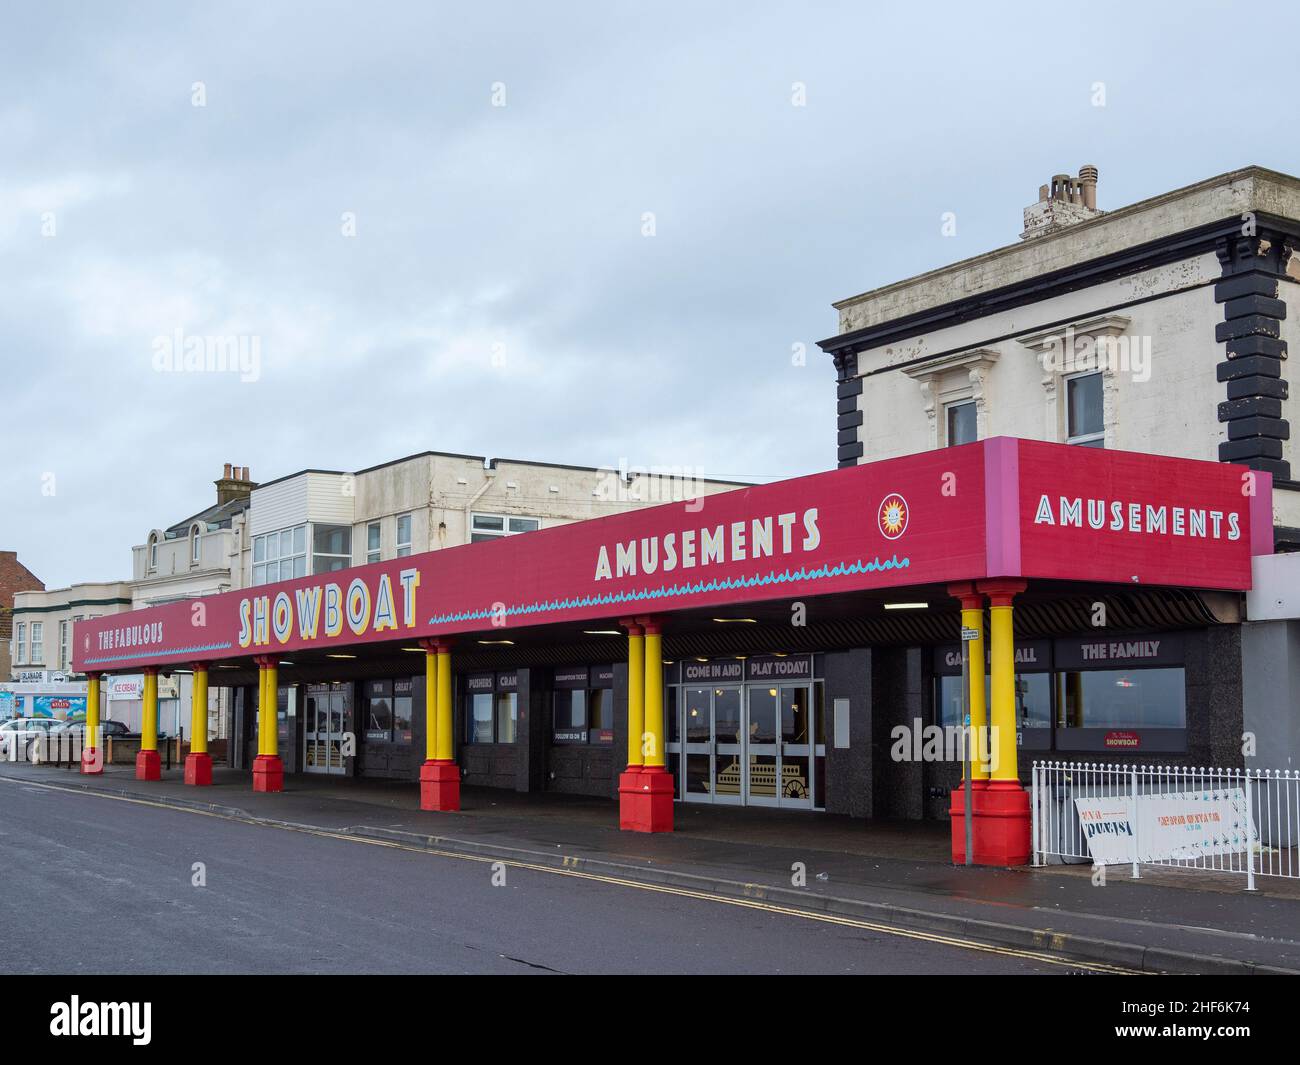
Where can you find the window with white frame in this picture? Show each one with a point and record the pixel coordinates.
(65, 639)
(331, 548)
(961, 423)
(153, 552)
(403, 535)
(20, 644)
(373, 553)
(38, 643)
(1084, 410)
(194, 544)
(280, 556)
(494, 526)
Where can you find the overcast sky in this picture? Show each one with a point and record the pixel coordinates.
(500, 296)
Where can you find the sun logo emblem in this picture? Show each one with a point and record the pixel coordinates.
(893, 516)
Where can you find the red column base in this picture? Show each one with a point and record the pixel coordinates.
(92, 761)
(198, 768)
(440, 786)
(148, 765)
(268, 773)
(645, 800)
(629, 784)
(1000, 826)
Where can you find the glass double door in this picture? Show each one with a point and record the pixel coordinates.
(748, 745)
(325, 725)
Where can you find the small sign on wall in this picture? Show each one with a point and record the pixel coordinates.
(841, 713)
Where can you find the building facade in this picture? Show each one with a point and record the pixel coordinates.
(783, 645)
(14, 577)
(1160, 327)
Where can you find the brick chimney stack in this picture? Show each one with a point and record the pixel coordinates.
(1066, 201)
(234, 483)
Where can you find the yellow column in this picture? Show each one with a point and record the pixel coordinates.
(261, 702)
(149, 721)
(92, 710)
(446, 750)
(266, 723)
(430, 702)
(1002, 670)
(654, 698)
(635, 696)
(199, 711)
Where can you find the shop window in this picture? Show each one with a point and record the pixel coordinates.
(570, 721)
(583, 715)
(403, 710)
(480, 717)
(379, 710)
(280, 556)
(1121, 699)
(331, 547)
(506, 712)
(1033, 700)
(388, 710)
(373, 553)
(403, 535)
(1085, 415)
(493, 526)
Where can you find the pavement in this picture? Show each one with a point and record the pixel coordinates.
(895, 874)
(152, 889)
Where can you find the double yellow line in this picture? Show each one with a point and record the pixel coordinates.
(637, 885)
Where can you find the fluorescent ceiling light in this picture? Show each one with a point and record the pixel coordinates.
(907, 606)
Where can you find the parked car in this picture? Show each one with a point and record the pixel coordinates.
(19, 736)
(106, 727)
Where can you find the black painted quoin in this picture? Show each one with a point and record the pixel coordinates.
(1253, 266)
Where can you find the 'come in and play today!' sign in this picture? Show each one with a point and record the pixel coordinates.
(1181, 826)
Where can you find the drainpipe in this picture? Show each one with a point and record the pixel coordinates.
(490, 474)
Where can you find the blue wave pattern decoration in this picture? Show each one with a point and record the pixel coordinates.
(669, 591)
(156, 651)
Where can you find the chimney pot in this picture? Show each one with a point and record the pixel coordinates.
(1088, 182)
(226, 473)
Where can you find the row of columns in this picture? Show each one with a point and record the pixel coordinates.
(198, 763)
(999, 804)
(646, 790)
(439, 775)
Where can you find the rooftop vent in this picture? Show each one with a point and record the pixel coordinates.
(1065, 201)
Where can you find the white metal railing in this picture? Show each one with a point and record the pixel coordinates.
(1244, 821)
